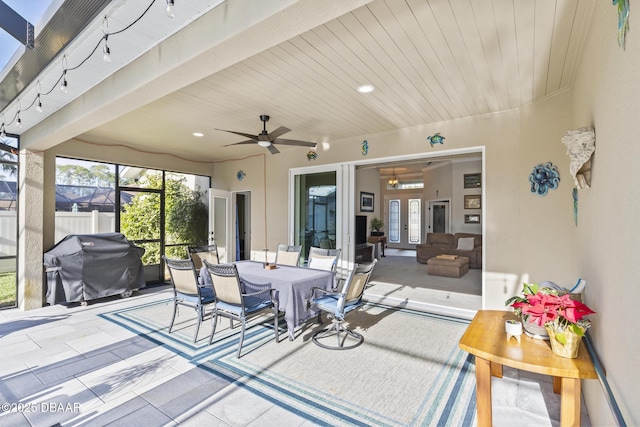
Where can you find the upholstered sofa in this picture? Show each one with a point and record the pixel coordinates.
(462, 244)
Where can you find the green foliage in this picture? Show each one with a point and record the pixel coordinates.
(7, 289)
(185, 216)
(376, 223)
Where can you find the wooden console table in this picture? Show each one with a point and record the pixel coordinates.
(381, 240)
(486, 339)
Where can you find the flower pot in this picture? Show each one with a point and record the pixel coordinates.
(568, 350)
(533, 330)
(377, 233)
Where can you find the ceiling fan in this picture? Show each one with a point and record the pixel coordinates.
(269, 140)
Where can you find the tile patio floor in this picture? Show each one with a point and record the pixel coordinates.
(65, 365)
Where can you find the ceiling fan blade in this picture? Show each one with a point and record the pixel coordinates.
(246, 135)
(294, 142)
(273, 149)
(276, 133)
(248, 141)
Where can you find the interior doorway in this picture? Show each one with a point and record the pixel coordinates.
(242, 235)
(439, 216)
(438, 181)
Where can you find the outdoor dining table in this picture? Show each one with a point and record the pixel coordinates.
(292, 284)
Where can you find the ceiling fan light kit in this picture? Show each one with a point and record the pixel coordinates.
(269, 140)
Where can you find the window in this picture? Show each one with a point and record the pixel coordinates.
(164, 212)
(8, 220)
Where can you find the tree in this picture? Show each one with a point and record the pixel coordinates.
(8, 157)
(102, 175)
(185, 217)
(73, 175)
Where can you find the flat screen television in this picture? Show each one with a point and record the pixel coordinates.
(361, 229)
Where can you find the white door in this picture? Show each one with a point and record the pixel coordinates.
(219, 222)
(403, 217)
(438, 216)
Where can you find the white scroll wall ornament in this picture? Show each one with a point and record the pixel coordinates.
(581, 143)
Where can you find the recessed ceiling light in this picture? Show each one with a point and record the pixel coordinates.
(198, 134)
(365, 88)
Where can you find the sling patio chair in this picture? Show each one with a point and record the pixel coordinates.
(186, 290)
(323, 259)
(288, 255)
(199, 254)
(238, 299)
(337, 305)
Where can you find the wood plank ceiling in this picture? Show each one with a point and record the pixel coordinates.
(429, 60)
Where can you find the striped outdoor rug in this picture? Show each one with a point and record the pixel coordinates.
(408, 372)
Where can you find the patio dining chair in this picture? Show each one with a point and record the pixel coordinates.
(238, 299)
(288, 255)
(201, 253)
(186, 290)
(323, 259)
(337, 305)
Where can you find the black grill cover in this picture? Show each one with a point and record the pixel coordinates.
(83, 267)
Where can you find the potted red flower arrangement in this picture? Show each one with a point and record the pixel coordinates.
(562, 317)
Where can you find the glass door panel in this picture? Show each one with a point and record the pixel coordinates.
(315, 211)
(219, 223)
(394, 221)
(414, 212)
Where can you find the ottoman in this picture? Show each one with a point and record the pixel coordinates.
(448, 267)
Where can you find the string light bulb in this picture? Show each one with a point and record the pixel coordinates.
(63, 85)
(19, 122)
(170, 9)
(106, 52)
(39, 104)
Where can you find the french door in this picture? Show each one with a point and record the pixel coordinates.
(403, 215)
(220, 224)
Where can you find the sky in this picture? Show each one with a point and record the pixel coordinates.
(32, 11)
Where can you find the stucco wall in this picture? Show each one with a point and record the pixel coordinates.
(528, 237)
(607, 238)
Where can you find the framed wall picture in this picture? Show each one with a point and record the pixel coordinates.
(366, 202)
(472, 180)
(472, 201)
(472, 219)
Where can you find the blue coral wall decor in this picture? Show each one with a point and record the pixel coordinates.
(543, 178)
(574, 193)
(436, 139)
(623, 21)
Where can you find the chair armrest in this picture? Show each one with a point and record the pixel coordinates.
(308, 301)
(256, 288)
(324, 291)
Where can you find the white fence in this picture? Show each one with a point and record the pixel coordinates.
(8, 236)
(66, 223)
(84, 223)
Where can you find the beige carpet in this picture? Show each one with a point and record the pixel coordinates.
(409, 370)
(405, 270)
